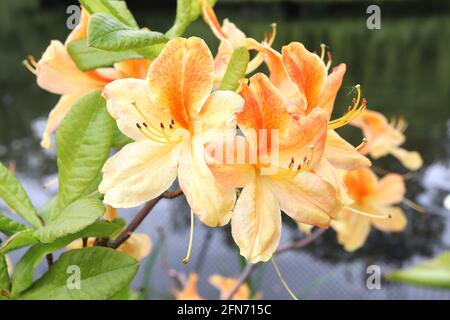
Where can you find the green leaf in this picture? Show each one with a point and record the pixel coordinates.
(104, 272)
(434, 273)
(72, 219)
(9, 226)
(116, 9)
(236, 69)
(4, 276)
(109, 34)
(126, 294)
(83, 144)
(16, 198)
(89, 58)
(19, 240)
(24, 269)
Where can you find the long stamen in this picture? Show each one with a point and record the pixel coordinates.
(149, 136)
(283, 281)
(306, 163)
(362, 144)
(369, 215)
(191, 237)
(414, 206)
(322, 50)
(29, 66)
(354, 111)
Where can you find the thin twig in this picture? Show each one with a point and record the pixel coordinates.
(140, 216)
(249, 268)
(172, 194)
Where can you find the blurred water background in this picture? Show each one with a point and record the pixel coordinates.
(404, 70)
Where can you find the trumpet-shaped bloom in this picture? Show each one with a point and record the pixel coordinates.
(373, 206)
(386, 138)
(231, 37)
(57, 73)
(171, 115)
(305, 85)
(278, 178)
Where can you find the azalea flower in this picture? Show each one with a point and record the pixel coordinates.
(171, 115)
(190, 291)
(373, 206)
(386, 138)
(226, 285)
(57, 73)
(138, 245)
(231, 37)
(305, 85)
(278, 178)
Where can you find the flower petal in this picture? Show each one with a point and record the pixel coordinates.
(138, 246)
(129, 104)
(360, 183)
(57, 73)
(226, 285)
(210, 202)
(333, 83)
(80, 31)
(306, 198)
(134, 68)
(57, 114)
(306, 70)
(353, 232)
(342, 154)
(181, 78)
(396, 223)
(190, 291)
(256, 221)
(390, 190)
(139, 172)
(411, 160)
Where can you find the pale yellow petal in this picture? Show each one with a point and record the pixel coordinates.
(190, 291)
(138, 246)
(396, 223)
(306, 198)
(256, 221)
(353, 232)
(139, 172)
(410, 159)
(391, 189)
(207, 199)
(57, 114)
(342, 154)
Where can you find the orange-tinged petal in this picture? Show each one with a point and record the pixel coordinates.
(226, 285)
(209, 201)
(80, 31)
(390, 190)
(129, 104)
(342, 154)
(135, 68)
(138, 246)
(181, 78)
(396, 223)
(57, 114)
(330, 174)
(190, 291)
(57, 73)
(211, 19)
(220, 110)
(333, 83)
(306, 198)
(411, 160)
(353, 232)
(256, 221)
(307, 71)
(139, 172)
(360, 183)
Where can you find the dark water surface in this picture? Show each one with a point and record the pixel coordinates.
(404, 69)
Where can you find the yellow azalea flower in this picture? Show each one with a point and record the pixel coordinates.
(57, 73)
(305, 85)
(138, 245)
(386, 138)
(163, 115)
(269, 184)
(189, 291)
(226, 285)
(373, 206)
(230, 38)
